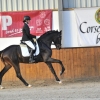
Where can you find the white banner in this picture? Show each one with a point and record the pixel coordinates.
(88, 23)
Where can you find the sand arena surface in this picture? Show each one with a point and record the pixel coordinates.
(50, 90)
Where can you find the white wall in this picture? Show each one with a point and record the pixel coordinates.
(69, 37)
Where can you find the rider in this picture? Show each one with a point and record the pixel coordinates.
(29, 39)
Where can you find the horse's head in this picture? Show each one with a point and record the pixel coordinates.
(57, 39)
(52, 36)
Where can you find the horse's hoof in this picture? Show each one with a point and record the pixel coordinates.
(60, 82)
(1, 87)
(29, 85)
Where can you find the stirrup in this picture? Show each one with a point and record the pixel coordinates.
(31, 60)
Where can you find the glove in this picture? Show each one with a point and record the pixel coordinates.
(34, 39)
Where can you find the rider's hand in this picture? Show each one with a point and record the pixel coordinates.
(34, 39)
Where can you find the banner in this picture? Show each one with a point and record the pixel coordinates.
(11, 23)
(88, 25)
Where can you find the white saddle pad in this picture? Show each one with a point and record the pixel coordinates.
(25, 52)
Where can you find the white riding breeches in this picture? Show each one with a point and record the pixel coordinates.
(30, 44)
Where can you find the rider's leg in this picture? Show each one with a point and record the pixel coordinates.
(31, 45)
(31, 59)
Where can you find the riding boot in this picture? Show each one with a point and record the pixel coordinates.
(31, 60)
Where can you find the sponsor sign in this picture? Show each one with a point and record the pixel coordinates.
(88, 25)
(11, 23)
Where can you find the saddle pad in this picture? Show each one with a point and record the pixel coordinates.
(37, 50)
(24, 50)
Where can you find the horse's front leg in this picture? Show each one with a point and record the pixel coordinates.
(57, 61)
(53, 71)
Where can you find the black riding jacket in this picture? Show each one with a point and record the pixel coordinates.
(26, 33)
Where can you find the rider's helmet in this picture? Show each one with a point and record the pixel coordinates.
(26, 18)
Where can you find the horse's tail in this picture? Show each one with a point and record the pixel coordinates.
(0, 53)
(1, 56)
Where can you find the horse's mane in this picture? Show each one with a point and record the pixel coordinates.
(47, 33)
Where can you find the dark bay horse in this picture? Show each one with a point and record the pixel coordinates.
(12, 56)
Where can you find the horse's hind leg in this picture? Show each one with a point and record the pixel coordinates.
(18, 74)
(57, 61)
(52, 70)
(3, 71)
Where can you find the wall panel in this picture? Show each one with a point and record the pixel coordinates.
(80, 63)
(17, 5)
(80, 3)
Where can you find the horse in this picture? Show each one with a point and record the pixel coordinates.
(12, 56)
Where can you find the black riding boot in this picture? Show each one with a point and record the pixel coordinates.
(31, 60)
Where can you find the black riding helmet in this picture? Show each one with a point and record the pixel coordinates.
(26, 18)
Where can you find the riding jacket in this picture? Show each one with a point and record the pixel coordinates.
(26, 33)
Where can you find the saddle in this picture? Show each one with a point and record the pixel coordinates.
(25, 49)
